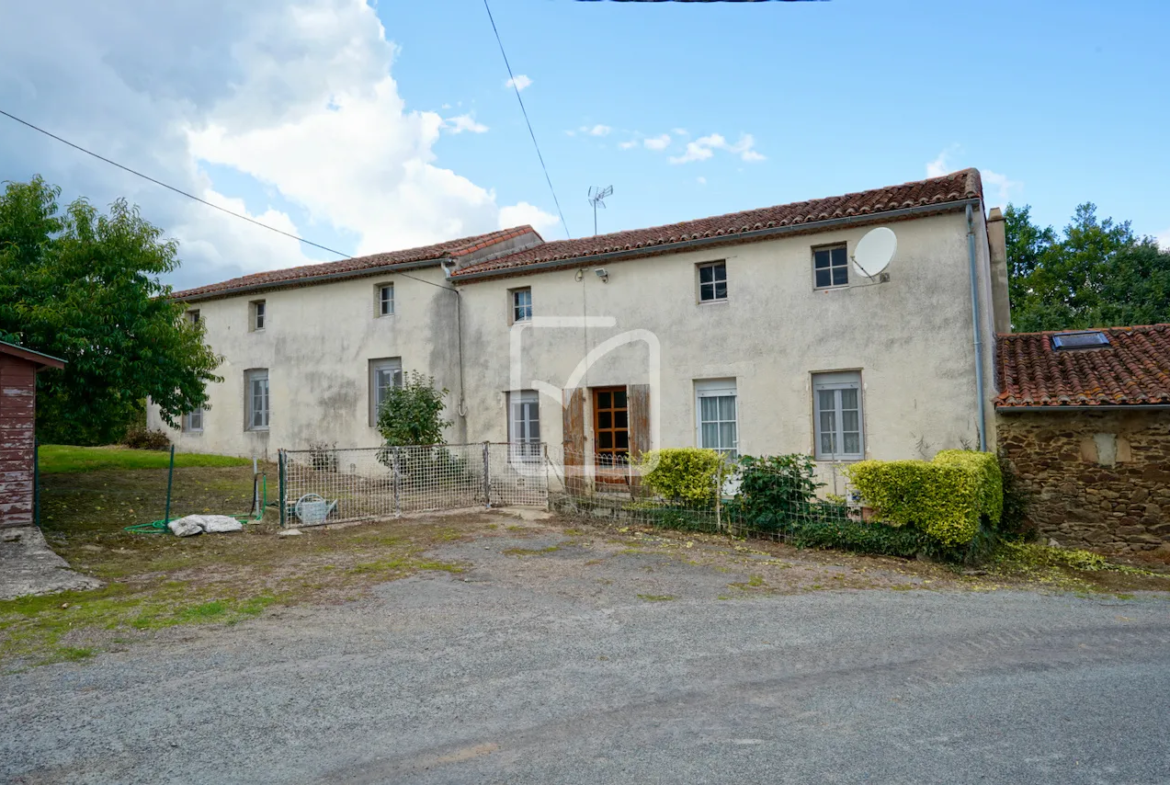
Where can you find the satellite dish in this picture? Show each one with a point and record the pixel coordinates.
(875, 251)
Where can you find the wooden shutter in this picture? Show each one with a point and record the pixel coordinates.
(574, 440)
(638, 398)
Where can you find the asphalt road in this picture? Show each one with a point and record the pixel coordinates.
(553, 670)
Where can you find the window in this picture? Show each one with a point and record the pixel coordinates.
(831, 267)
(259, 315)
(716, 411)
(712, 282)
(193, 421)
(384, 374)
(256, 390)
(385, 300)
(193, 316)
(837, 404)
(1081, 339)
(521, 305)
(611, 428)
(524, 426)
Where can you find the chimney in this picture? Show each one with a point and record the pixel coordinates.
(997, 244)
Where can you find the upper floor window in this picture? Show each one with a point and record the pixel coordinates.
(386, 300)
(521, 305)
(193, 316)
(384, 374)
(712, 282)
(256, 399)
(831, 267)
(258, 314)
(193, 421)
(837, 415)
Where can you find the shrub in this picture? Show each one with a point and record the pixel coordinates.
(412, 414)
(686, 475)
(145, 439)
(323, 456)
(946, 498)
(1016, 501)
(773, 490)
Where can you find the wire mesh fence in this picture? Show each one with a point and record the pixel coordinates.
(785, 498)
(336, 485)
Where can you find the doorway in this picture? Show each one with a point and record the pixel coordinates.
(611, 432)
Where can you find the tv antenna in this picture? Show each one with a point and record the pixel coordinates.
(597, 197)
(874, 252)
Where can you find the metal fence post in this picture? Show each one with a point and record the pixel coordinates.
(487, 475)
(280, 473)
(396, 465)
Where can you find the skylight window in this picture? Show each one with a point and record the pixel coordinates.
(1085, 339)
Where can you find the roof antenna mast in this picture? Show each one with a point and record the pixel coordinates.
(597, 197)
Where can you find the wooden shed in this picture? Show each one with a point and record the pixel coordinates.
(18, 408)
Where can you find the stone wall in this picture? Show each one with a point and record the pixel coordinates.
(1099, 479)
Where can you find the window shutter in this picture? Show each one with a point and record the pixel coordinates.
(574, 440)
(638, 397)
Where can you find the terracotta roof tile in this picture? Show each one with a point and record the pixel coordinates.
(450, 249)
(955, 187)
(1134, 369)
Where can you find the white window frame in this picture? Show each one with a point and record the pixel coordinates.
(381, 301)
(716, 388)
(520, 312)
(193, 421)
(524, 426)
(844, 248)
(193, 316)
(257, 418)
(392, 365)
(835, 383)
(257, 315)
(714, 298)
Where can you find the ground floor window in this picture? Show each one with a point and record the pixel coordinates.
(717, 415)
(385, 373)
(524, 425)
(257, 399)
(193, 421)
(837, 414)
(611, 427)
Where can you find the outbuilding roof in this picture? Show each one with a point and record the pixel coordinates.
(43, 360)
(359, 265)
(948, 190)
(1132, 369)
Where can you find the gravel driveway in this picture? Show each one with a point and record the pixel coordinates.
(550, 660)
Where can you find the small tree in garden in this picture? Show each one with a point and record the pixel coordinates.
(413, 413)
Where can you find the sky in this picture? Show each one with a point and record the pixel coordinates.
(374, 126)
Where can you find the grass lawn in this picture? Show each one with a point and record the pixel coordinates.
(157, 581)
(61, 459)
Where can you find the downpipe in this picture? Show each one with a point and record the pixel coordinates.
(978, 327)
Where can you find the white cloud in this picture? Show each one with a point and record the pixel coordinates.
(679, 131)
(657, 143)
(997, 186)
(520, 82)
(464, 122)
(1004, 187)
(525, 213)
(595, 130)
(701, 180)
(939, 166)
(704, 148)
(630, 145)
(1163, 239)
(286, 112)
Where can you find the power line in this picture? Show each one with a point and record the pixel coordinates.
(512, 80)
(180, 191)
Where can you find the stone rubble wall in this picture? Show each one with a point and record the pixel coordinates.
(1098, 479)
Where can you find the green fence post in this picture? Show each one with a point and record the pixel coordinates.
(280, 471)
(170, 481)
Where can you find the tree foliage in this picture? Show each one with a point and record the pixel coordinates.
(83, 286)
(1097, 273)
(413, 413)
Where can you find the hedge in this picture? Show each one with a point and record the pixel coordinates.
(945, 498)
(687, 474)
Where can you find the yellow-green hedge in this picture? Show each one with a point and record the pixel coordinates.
(945, 497)
(686, 474)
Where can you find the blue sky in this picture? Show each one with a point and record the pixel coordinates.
(376, 128)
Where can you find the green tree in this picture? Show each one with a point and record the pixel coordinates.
(83, 286)
(1096, 274)
(412, 414)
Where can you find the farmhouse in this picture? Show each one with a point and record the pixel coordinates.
(753, 332)
(18, 407)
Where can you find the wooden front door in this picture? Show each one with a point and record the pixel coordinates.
(611, 431)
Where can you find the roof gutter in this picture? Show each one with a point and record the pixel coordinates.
(312, 279)
(758, 234)
(1092, 407)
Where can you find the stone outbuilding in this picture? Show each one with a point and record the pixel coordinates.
(18, 408)
(1084, 417)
